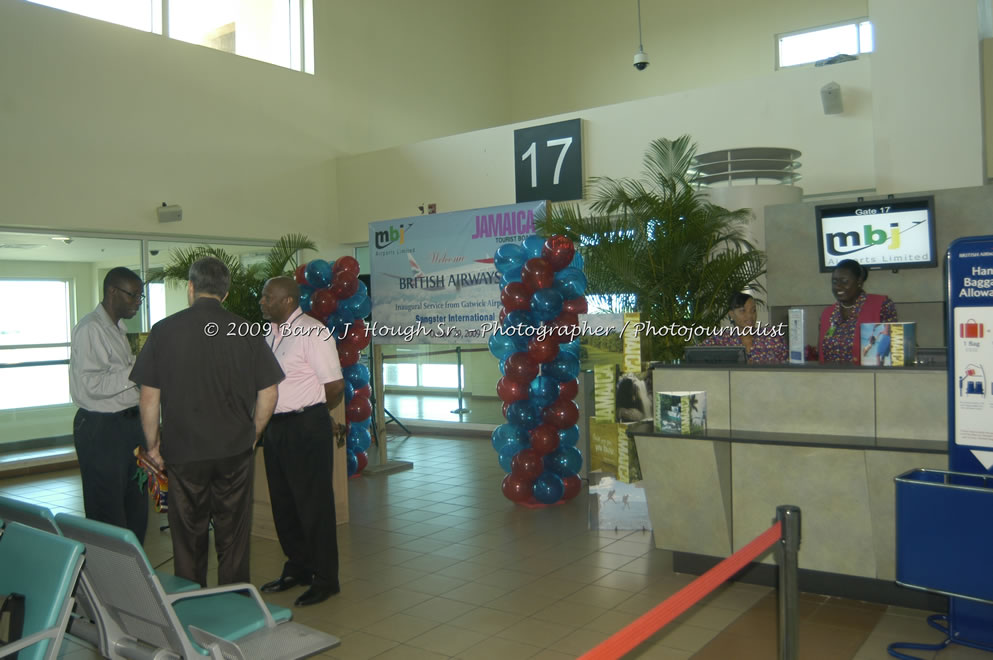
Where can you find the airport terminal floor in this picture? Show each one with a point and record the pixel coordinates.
(435, 563)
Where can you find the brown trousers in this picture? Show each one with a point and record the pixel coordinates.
(218, 490)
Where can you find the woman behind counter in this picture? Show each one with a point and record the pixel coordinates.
(759, 348)
(839, 330)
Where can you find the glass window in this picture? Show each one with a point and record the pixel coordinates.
(137, 14)
(401, 374)
(852, 38)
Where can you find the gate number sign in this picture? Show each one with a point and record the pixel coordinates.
(548, 162)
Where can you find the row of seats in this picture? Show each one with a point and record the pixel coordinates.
(126, 608)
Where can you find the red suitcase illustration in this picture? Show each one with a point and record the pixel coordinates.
(971, 330)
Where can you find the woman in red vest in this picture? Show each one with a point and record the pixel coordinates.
(839, 332)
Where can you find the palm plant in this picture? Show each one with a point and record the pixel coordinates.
(657, 246)
(246, 280)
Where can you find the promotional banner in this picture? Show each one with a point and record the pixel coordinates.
(432, 276)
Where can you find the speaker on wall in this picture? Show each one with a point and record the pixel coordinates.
(831, 98)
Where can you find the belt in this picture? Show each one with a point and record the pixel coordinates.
(293, 413)
(133, 411)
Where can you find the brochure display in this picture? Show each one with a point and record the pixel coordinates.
(943, 533)
(888, 344)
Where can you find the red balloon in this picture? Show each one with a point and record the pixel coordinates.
(516, 488)
(544, 439)
(312, 314)
(503, 315)
(344, 285)
(576, 306)
(365, 391)
(347, 355)
(564, 328)
(363, 460)
(558, 251)
(543, 350)
(323, 303)
(300, 274)
(573, 484)
(537, 274)
(345, 265)
(528, 464)
(561, 414)
(358, 409)
(568, 390)
(356, 336)
(516, 296)
(521, 367)
(511, 390)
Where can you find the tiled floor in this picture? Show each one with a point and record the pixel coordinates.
(437, 564)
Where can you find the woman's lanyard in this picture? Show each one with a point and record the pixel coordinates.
(290, 322)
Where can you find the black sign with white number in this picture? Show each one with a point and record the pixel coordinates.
(548, 162)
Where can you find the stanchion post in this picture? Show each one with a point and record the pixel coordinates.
(461, 410)
(379, 392)
(789, 588)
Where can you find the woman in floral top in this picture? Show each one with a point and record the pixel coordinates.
(759, 348)
(839, 329)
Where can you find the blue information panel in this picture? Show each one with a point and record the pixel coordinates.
(970, 365)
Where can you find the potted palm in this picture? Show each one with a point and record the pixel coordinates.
(246, 280)
(657, 246)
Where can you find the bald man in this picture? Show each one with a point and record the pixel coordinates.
(298, 444)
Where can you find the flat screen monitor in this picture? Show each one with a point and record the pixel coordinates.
(714, 355)
(891, 233)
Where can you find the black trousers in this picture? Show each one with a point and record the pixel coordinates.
(299, 455)
(219, 490)
(105, 445)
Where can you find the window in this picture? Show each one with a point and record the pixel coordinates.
(36, 335)
(280, 32)
(850, 38)
(426, 375)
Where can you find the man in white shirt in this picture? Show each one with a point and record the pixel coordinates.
(107, 426)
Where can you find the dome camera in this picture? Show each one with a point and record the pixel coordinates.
(641, 60)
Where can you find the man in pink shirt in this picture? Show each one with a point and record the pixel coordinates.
(299, 444)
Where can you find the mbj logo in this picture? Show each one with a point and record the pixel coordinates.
(388, 237)
(846, 242)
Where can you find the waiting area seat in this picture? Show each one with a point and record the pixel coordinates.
(219, 622)
(44, 569)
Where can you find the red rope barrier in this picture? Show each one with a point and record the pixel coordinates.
(624, 640)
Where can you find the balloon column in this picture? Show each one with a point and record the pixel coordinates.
(332, 293)
(543, 289)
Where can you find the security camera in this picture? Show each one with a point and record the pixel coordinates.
(641, 60)
(154, 253)
(67, 241)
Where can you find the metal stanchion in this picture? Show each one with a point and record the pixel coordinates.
(789, 588)
(382, 464)
(461, 410)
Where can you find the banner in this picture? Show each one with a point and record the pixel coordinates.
(432, 276)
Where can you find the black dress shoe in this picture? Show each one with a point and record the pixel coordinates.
(316, 594)
(283, 583)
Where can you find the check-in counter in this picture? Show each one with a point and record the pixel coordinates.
(827, 439)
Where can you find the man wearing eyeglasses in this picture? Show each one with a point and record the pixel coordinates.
(107, 426)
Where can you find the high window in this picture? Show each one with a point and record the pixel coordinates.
(820, 43)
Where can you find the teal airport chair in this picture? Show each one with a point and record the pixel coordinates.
(219, 622)
(44, 568)
(91, 623)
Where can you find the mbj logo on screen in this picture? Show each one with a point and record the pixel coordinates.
(388, 237)
(841, 243)
(890, 238)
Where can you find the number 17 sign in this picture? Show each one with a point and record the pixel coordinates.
(548, 162)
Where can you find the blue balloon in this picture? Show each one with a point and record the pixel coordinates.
(335, 324)
(543, 391)
(363, 289)
(569, 437)
(357, 375)
(546, 304)
(349, 391)
(364, 423)
(518, 319)
(513, 275)
(524, 414)
(364, 309)
(507, 453)
(305, 293)
(352, 304)
(503, 367)
(359, 437)
(533, 246)
(318, 273)
(352, 461)
(570, 282)
(577, 262)
(564, 461)
(548, 488)
(563, 368)
(571, 347)
(344, 315)
(502, 345)
(509, 256)
(508, 433)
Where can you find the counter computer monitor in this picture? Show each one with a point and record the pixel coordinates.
(889, 233)
(714, 355)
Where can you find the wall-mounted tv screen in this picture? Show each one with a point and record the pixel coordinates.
(891, 233)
